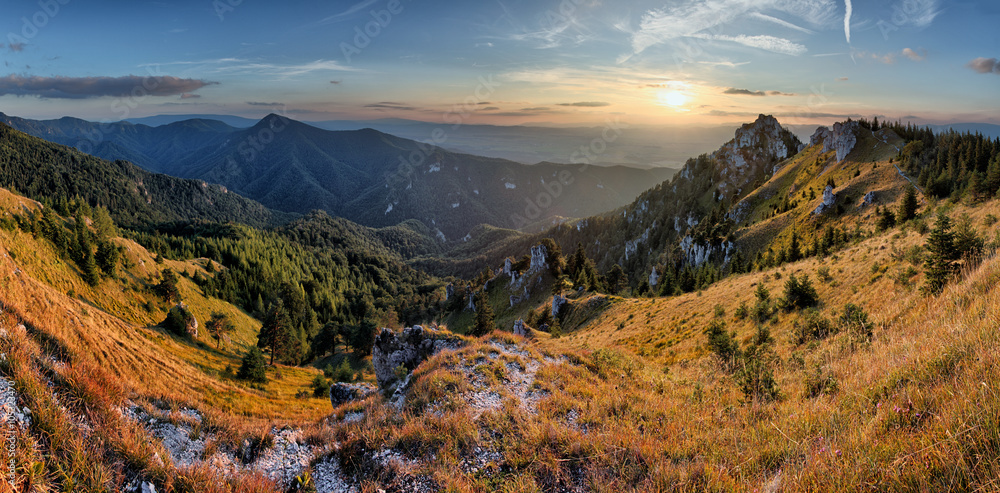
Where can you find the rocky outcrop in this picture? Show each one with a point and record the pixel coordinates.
(841, 139)
(654, 278)
(697, 253)
(406, 349)
(870, 198)
(508, 266)
(538, 262)
(557, 303)
(471, 306)
(829, 198)
(754, 151)
(342, 393)
(449, 291)
(520, 329)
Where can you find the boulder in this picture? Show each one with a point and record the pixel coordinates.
(508, 266)
(341, 393)
(653, 278)
(829, 198)
(870, 198)
(557, 304)
(538, 262)
(408, 349)
(520, 329)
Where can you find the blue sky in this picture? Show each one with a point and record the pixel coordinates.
(505, 61)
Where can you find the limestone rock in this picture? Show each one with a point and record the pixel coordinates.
(341, 393)
(557, 303)
(407, 349)
(654, 278)
(829, 198)
(520, 329)
(538, 262)
(870, 198)
(449, 291)
(841, 139)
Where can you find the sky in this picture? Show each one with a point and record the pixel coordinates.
(504, 62)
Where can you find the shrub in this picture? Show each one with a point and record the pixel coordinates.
(723, 343)
(320, 386)
(824, 274)
(253, 366)
(343, 372)
(812, 326)
(799, 293)
(818, 383)
(755, 376)
(177, 320)
(854, 319)
(742, 312)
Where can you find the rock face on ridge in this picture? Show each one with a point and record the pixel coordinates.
(842, 139)
(406, 349)
(762, 142)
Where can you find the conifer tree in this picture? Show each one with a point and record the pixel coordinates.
(908, 208)
(941, 255)
(484, 315)
(276, 332)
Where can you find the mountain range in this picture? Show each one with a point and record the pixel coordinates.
(367, 176)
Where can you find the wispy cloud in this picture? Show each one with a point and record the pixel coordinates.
(189, 95)
(353, 9)
(390, 105)
(760, 41)
(259, 103)
(743, 92)
(586, 104)
(848, 10)
(985, 65)
(913, 55)
(242, 66)
(783, 114)
(780, 22)
(703, 19)
(95, 87)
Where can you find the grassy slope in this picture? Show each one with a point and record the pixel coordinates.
(110, 326)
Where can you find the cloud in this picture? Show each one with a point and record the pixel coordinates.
(843, 78)
(985, 65)
(761, 41)
(536, 108)
(782, 23)
(804, 114)
(390, 105)
(96, 87)
(188, 95)
(779, 93)
(258, 103)
(848, 10)
(490, 108)
(913, 55)
(704, 19)
(335, 81)
(347, 13)
(586, 104)
(743, 92)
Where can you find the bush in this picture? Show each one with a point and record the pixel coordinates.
(824, 274)
(817, 383)
(812, 326)
(177, 320)
(253, 367)
(723, 343)
(799, 293)
(755, 376)
(855, 321)
(320, 386)
(343, 372)
(742, 312)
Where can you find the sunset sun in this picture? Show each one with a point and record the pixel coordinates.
(673, 98)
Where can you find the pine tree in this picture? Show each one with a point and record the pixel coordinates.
(218, 327)
(908, 208)
(253, 366)
(167, 288)
(941, 255)
(276, 332)
(617, 280)
(90, 272)
(484, 315)
(794, 249)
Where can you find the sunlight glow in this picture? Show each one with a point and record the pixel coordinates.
(675, 99)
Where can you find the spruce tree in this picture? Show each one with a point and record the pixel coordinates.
(484, 315)
(941, 255)
(253, 366)
(276, 332)
(167, 288)
(90, 272)
(908, 208)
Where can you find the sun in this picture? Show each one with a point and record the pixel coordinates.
(676, 99)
